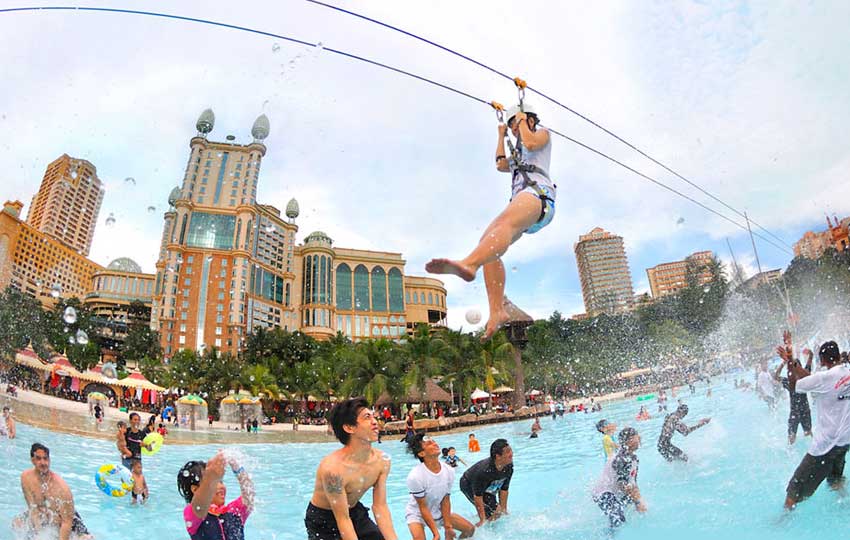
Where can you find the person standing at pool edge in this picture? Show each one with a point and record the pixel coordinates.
(830, 391)
(345, 475)
(673, 423)
(532, 207)
(492, 475)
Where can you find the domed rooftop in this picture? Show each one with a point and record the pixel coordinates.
(292, 209)
(206, 121)
(125, 264)
(318, 236)
(261, 128)
(174, 195)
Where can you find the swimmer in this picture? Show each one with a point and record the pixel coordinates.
(643, 414)
(607, 429)
(532, 207)
(535, 428)
(451, 458)
(50, 503)
(481, 482)
(206, 515)
(473, 444)
(140, 485)
(430, 484)
(765, 386)
(345, 475)
(800, 411)
(7, 426)
(673, 423)
(618, 484)
(828, 451)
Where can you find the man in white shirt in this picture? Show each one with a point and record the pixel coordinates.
(430, 484)
(830, 390)
(765, 386)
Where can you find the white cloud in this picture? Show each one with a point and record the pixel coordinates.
(747, 100)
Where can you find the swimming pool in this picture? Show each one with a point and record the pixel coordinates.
(733, 487)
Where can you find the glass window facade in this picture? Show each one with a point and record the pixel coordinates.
(343, 287)
(211, 231)
(379, 289)
(361, 288)
(396, 288)
(267, 285)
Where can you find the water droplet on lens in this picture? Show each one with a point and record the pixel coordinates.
(56, 290)
(151, 209)
(110, 221)
(319, 46)
(71, 340)
(270, 229)
(275, 47)
(70, 315)
(252, 378)
(82, 337)
(130, 181)
(514, 269)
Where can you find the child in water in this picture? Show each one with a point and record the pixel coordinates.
(473, 443)
(206, 515)
(140, 486)
(451, 458)
(607, 429)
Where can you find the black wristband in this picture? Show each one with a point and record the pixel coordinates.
(500, 157)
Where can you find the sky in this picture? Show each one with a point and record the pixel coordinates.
(747, 99)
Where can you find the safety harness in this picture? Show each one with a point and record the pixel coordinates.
(520, 167)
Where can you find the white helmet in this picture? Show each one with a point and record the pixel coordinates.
(512, 111)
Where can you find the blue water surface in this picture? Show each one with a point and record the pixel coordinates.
(732, 488)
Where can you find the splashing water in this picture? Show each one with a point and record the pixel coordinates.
(70, 315)
(275, 47)
(110, 220)
(151, 209)
(82, 337)
(130, 181)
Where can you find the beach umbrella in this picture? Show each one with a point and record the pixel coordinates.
(479, 394)
(98, 396)
(192, 399)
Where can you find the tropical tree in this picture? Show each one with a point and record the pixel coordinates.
(372, 368)
(21, 321)
(423, 357)
(491, 364)
(257, 380)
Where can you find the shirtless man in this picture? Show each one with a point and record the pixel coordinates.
(50, 504)
(8, 424)
(344, 476)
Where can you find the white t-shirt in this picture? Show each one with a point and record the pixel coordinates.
(766, 384)
(830, 391)
(421, 482)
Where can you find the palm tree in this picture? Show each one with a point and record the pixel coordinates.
(492, 362)
(258, 380)
(424, 356)
(372, 368)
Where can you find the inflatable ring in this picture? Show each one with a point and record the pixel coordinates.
(155, 440)
(114, 480)
(645, 397)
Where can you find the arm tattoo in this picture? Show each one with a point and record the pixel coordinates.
(333, 483)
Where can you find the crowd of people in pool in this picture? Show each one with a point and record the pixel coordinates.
(347, 474)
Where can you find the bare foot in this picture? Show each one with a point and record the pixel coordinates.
(448, 266)
(494, 324)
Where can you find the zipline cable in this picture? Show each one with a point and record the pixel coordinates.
(385, 66)
(549, 98)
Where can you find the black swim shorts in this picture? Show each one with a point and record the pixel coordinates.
(321, 523)
(672, 453)
(491, 504)
(815, 469)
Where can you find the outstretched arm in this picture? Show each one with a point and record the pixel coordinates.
(246, 485)
(380, 507)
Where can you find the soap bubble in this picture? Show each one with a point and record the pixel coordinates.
(70, 315)
(473, 316)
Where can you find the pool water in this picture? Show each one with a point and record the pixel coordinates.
(732, 488)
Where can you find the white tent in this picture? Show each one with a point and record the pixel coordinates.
(479, 394)
(535, 393)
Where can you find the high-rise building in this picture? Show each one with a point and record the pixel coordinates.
(229, 265)
(606, 282)
(669, 278)
(37, 263)
(814, 243)
(68, 202)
